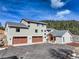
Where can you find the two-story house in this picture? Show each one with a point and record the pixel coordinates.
(25, 32)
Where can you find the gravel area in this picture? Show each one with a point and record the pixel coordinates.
(37, 51)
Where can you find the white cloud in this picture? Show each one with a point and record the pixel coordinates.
(61, 14)
(57, 3)
(4, 8)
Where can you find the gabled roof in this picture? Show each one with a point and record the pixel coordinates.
(58, 33)
(32, 21)
(14, 24)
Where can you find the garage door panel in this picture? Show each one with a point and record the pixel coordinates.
(19, 40)
(37, 39)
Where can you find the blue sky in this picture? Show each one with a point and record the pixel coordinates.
(15, 10)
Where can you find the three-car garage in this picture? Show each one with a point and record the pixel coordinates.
(25, 40)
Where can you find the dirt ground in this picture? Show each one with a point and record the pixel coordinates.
(77, 50)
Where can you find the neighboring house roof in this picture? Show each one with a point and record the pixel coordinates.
(32, 21)
(58, 33)
(13, 24)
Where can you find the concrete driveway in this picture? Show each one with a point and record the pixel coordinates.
(37, 51)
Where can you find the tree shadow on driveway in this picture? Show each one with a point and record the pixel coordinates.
(12, 57)
(60, 53)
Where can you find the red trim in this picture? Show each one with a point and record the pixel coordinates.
(76, 44)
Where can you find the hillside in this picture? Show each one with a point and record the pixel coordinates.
(71, 25)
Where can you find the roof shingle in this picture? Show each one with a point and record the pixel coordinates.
(14, 24)
(37, 22)
(58, 32)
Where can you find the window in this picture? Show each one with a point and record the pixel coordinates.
(44, 30)
(44, 33)
(17, 29)
(48, 30)
(36, 30)
(28, 22)
(1, 40)
(41, 30)
(45, 37)
(28, 25)
(10, 38)
(63, 39)
(42, 24)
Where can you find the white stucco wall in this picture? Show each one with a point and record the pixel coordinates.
(11, 32)
(58, 40)
(7, 36)
(67, 38)
(34, 26)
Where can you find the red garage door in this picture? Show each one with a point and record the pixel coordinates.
(37, 39)
(19, 40)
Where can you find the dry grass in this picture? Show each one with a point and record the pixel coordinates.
(77, 50)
